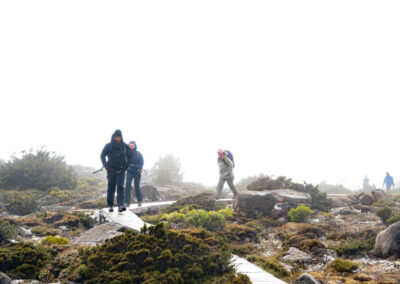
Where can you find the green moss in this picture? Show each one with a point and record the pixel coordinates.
(23, 260)
(341, 265)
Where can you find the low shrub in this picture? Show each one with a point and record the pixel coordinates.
(94, 204)
(211, 220)
(300, 214)
(157, 255)
(393, 219)
(351, 247)
(50, 240)
(75, 220)
(305, 243)
(59, 194)
(205, 201)
(319, 199)
(239, 233)
(243, 249)
(269, 264)
(23, 260)
(384, 203)
(341, 265)
(385, 214)
(44, 231)
(20, 203)
(7, 231)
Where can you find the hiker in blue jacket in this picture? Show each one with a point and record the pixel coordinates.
(388, 181)
(119, 157)
(134, 172)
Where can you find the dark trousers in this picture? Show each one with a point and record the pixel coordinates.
(115, 178)
(136, 176)
(220, 186)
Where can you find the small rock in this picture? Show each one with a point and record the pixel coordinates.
(306, 279)
(4, 279)
(24, 232)
(281, 209)
(379, 194)
(295, 255)
(342, 200)
(366, 199)
(388, 241)
(100, 233)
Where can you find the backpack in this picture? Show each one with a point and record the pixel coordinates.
(230, 156)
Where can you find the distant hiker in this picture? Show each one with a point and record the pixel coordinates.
(225, 165)
(388, 181)
(119, 157)
(134, 172)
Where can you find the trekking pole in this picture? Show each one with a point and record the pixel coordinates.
(99, 170)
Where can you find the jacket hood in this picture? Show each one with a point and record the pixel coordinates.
(117, 133)
(134, 143)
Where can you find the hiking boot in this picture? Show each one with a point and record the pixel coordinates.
(139, 204)
(121, 208)
(111, 209)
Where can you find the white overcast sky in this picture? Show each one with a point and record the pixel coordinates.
(306, 89)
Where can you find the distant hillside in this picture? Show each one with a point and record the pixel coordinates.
(84, 171)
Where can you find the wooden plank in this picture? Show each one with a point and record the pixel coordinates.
(255, 273)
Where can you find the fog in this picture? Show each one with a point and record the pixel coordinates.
(305, 89)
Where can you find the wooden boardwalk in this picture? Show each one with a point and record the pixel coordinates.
(255, 273)
(132, 221)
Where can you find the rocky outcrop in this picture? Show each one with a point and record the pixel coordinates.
(281, 209)
(4, 279)
(307, 279)
(387, 242)
(149, 193)
(100, 233)
(295, 255)
(366, 199)
(379, 195)
(342, 200)
(264, 201)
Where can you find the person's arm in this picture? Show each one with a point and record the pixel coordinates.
(141, 162)
(228, 163)
(129, 157)
(104, 154)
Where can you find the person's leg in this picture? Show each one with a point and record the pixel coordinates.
(128, 188)
(232, 187)
(120, 188)
(138, 192)
(111, 188)
(220, 186)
